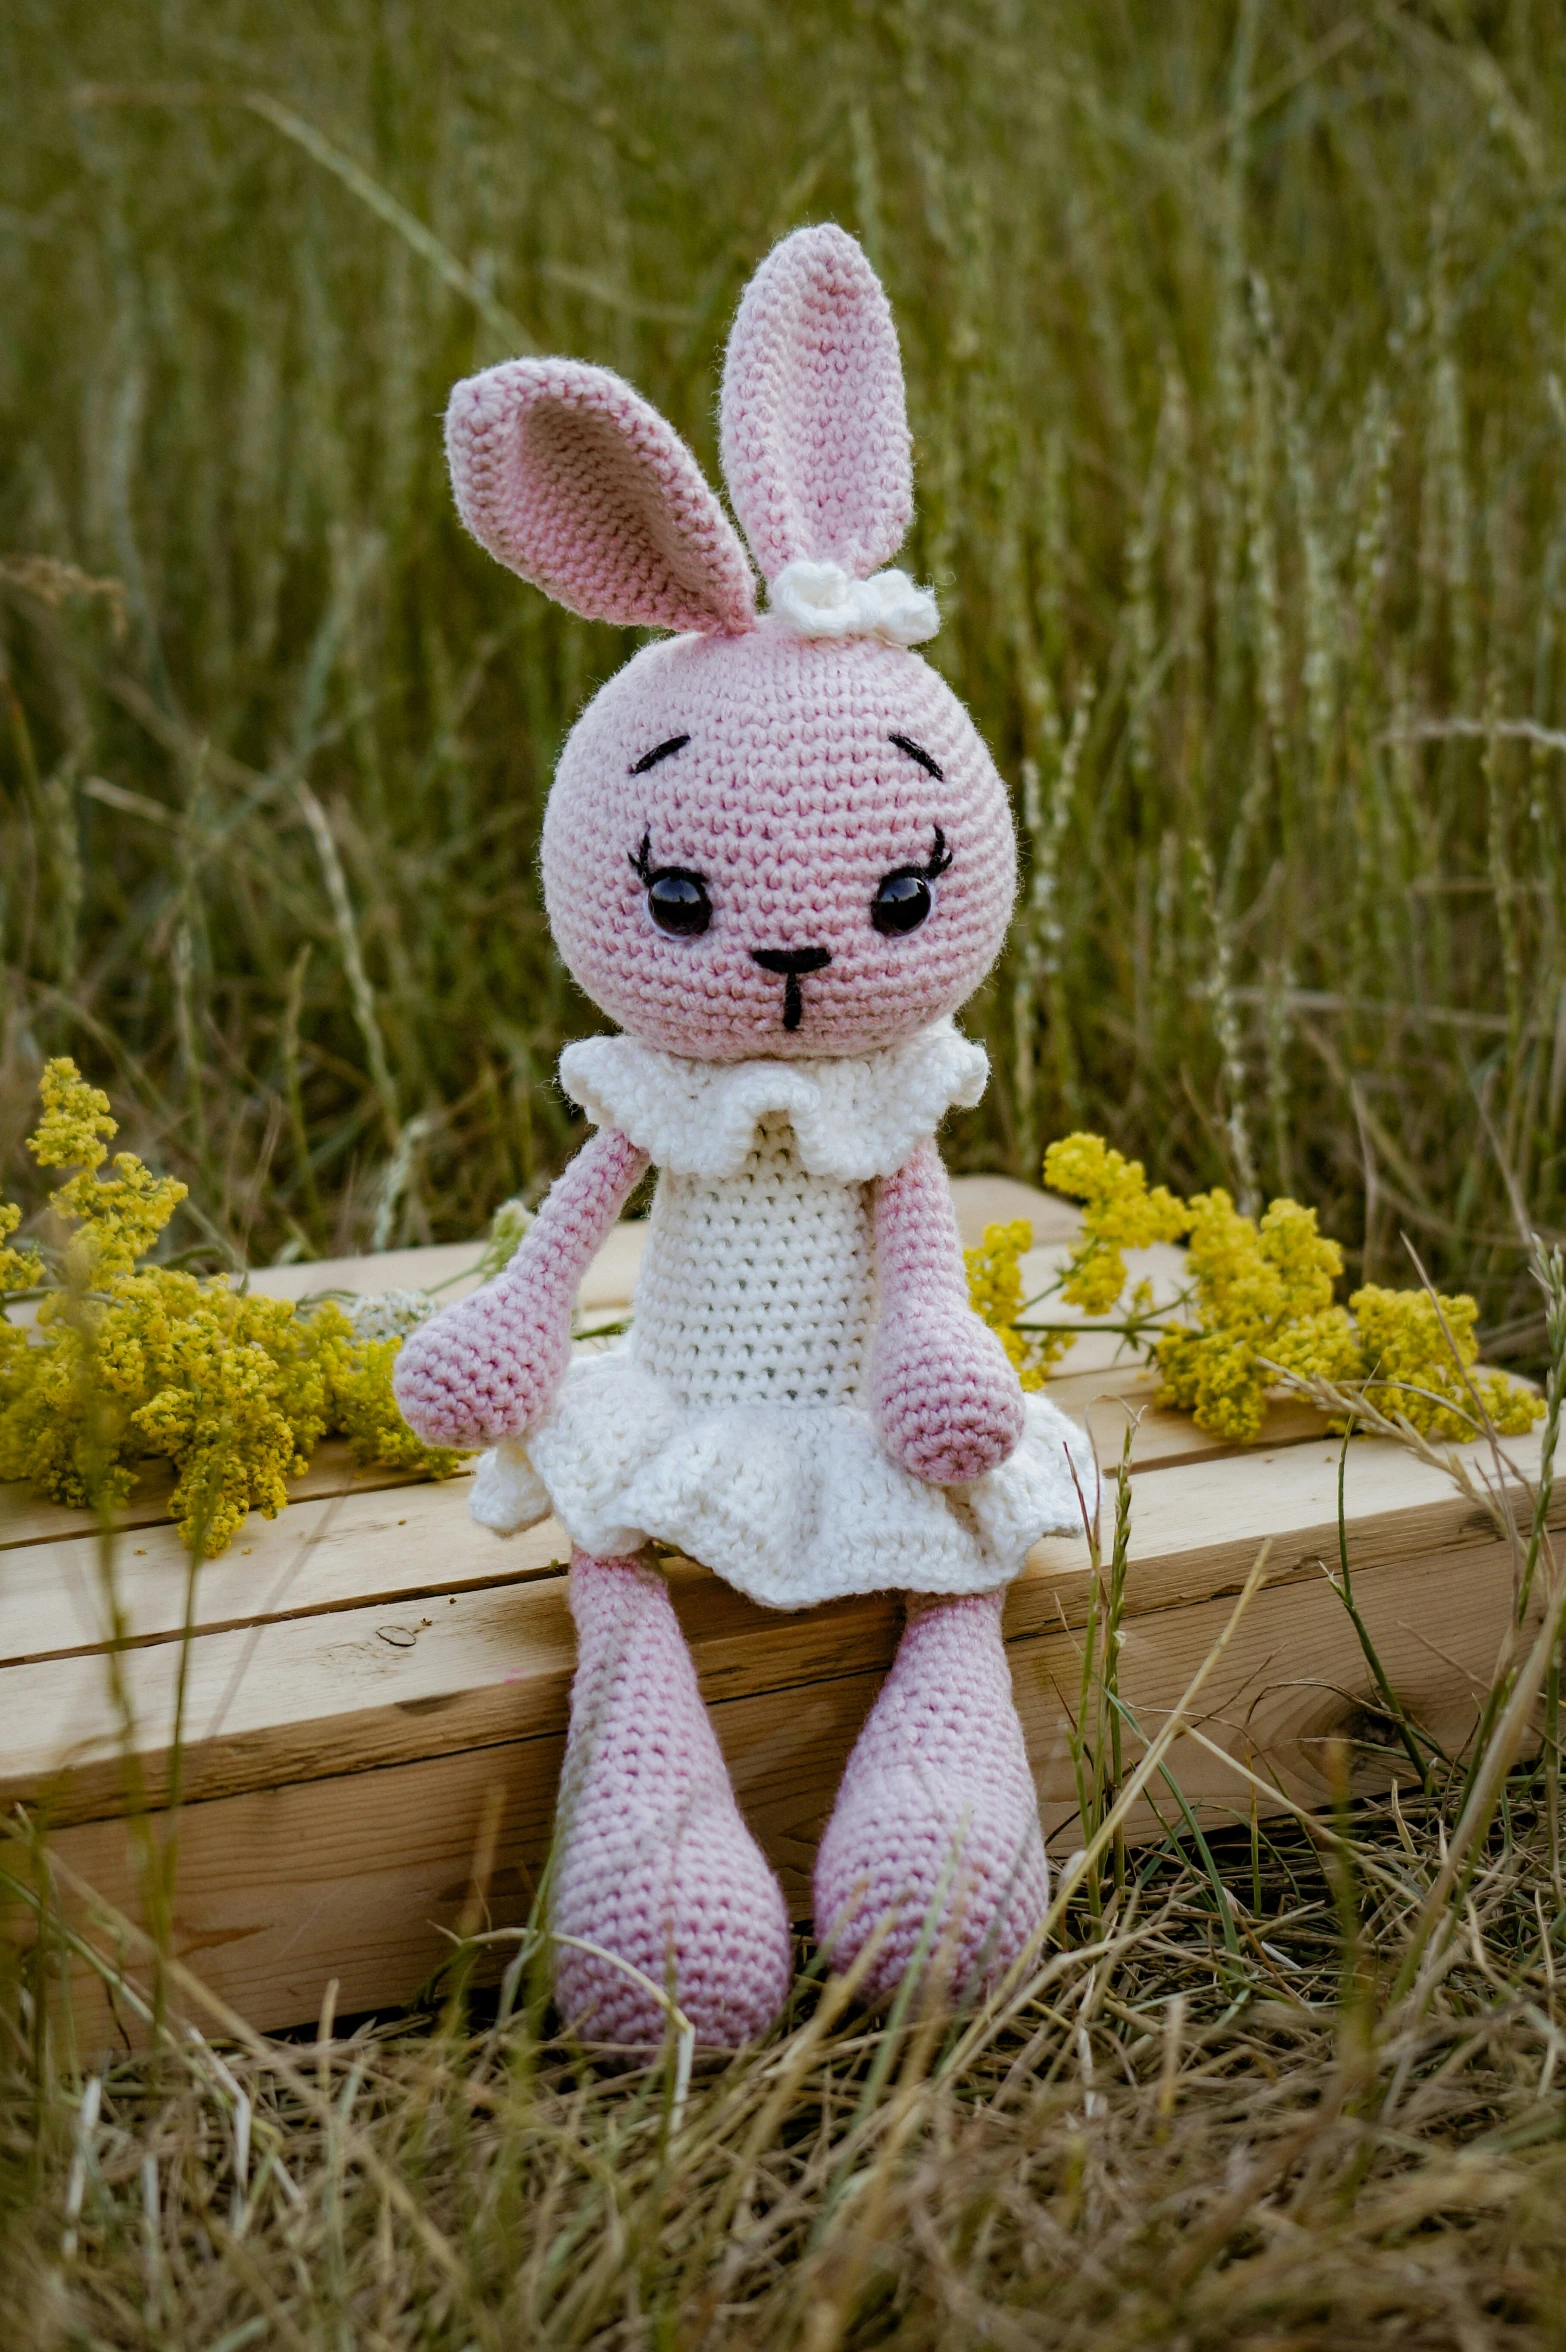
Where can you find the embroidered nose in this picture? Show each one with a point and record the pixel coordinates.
(792, 963)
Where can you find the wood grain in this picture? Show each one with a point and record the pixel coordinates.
(347, 1544)
(396, 1546)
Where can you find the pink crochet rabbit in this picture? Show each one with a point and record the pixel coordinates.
(778, 855)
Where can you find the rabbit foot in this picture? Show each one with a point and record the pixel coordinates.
(934, 1848)
(660, 1892)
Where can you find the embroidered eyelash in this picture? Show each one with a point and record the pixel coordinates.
(940, 859)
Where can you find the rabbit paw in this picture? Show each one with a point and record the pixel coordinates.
(946, 1400)
(481, 1372)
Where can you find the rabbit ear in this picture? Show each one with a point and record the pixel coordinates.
(815, 426)
(568, 476)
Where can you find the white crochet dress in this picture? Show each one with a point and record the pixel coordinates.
(731, 1423)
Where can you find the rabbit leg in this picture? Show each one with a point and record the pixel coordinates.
(653, 1864)
(935, 1836)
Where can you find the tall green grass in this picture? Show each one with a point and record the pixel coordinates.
(1234, 339)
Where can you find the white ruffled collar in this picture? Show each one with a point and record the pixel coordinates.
(854, 1118)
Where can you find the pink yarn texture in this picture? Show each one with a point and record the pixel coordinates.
(791, 800)
(568, 476)
(653, 1864)
(935, 1841)
(814, 427)
(779, 861)
(486, 1372)
(943, 1393)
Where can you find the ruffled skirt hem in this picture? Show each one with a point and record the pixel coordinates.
(791, 1506)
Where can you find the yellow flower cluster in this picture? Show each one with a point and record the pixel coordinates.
(1119, 1212)
(1260, 1296)
(995, 1294)
(1410, 1369)
(1262, 1291)
(117, 1218)
(235, 1391)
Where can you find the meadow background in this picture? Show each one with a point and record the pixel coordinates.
(1234, 338)
(1234, 347)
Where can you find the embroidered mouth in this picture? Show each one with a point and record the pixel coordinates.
(792, 964)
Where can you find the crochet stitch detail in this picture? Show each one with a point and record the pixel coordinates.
(778, 857)
(654, 1864)
(815, 439)
(944, 1394)
(573, 480)
(485, 1368)
(854, 1117)
(737, 1422)
(935, 1836)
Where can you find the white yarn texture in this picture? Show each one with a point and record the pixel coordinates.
(822, 600)
(853, 1118)
(731, 1423)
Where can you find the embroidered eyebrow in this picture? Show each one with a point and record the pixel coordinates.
(915, 751)
(663, 751)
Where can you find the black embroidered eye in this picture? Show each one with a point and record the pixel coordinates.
(679, 903)
(904, 898)
(901, 904)
(676, 898)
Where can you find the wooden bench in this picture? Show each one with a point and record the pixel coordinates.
(375, 1689)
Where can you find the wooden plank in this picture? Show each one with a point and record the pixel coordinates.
(355, 1876)
(25, 1520)
(1106, 1400)
(450, 1267)
(369, 1677)
(385, 1549)
(348, 1545)
(282, 1889)
(306, 1696)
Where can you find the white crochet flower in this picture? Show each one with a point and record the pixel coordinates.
(822, 600)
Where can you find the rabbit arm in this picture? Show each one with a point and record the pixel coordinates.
(488, 1367)
(946, 1402)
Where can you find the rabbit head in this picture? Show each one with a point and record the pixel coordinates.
(774, 834)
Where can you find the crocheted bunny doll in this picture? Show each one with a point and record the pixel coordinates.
(778, 855)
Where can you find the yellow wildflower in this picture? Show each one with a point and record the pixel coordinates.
(1260, 1301)
(1261, 1291)
(117, 1217)
(365, 1411)
(77, 1126)
(1119, 1212)
(236, 1391)
(1410, 1369)
(20, 1269)
(995, 1294)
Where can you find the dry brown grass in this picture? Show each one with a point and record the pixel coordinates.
(1202, 2121)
